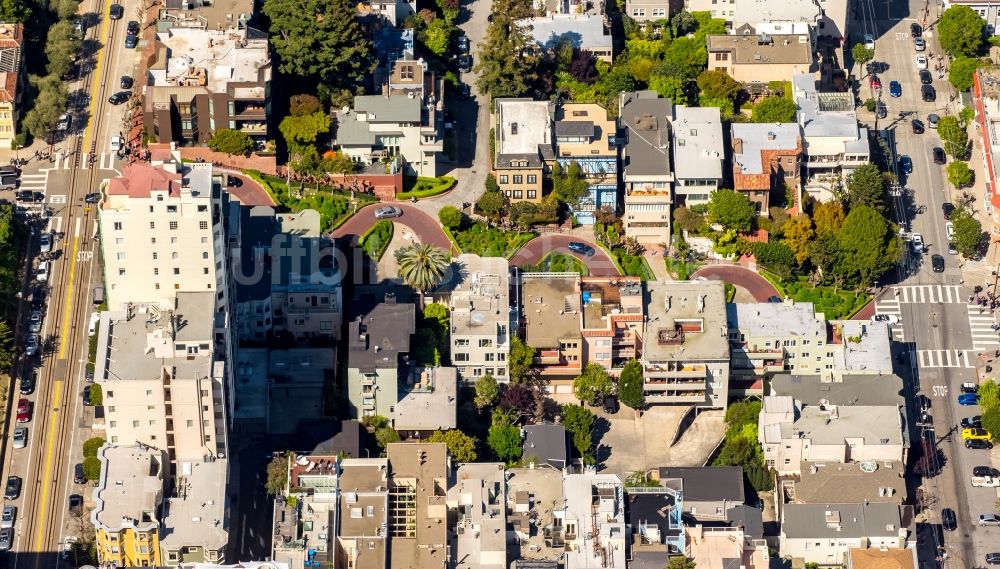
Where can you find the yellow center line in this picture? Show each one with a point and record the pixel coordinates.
(95, 79)
(68, 306)
(49, 446)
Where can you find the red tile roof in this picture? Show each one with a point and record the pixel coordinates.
(140, 180)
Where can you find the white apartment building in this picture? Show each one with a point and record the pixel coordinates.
(161, 233)
(480, 317)
(594, 521)
(644, 122)
(163, 373)
(826, 533)
(478, 497)
(791, 432)
(699, 149)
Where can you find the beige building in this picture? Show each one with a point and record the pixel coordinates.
(585, 135)
(127, 505)
(161, 234)
(551, 309)
(196, 514)
(205, 14)
(418, 507)
(427, 402)
(612, 320)
(10, 81)
(480, 317)
(646, 173)
(164, 378)
(760, 58)
(685, 352)
(522, 130)
(698, 152)
(721, 546)
(594, 518)
(478, 500)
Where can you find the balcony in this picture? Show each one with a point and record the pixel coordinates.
(258, 112)
(678, 371)
(549, 357)
(756, 352)
(254, 128)
(685, 386)
(693, 397)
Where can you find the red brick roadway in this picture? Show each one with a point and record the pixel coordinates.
(425, 227)
(600, 264)
(758, 286)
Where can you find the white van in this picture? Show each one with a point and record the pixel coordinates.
(43, 272)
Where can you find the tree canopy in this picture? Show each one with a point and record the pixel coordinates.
(504, 437)
(828, 217)
(681, 562)
(866, 187)
(232, 142)
(960, 31)
(487, 391)
(569, 185)
(422, 266)
(520, 360)
(798, 236)
(968, 233)
(959, 174)
(954, 135)
(437, 36)
(961, 70)
(862, 54)
(322, 40)
(450, 217)
(14, 11)
(302, 131)
(775, 109)
(508, 58)
(866, 247)
(717, 84)
(630, 386)
(579, 423)
(731, 210)
(461, 446)
(592, 384)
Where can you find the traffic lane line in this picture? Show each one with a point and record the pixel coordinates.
(95, 78)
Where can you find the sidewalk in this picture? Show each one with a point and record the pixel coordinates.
(978, 271)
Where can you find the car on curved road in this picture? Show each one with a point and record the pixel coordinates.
(387, 212)
(887, 318)
(581, 248)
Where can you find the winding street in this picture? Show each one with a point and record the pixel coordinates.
(757, 285)
(600, 264)
(426, 228)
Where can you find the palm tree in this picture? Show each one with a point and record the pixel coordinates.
(422, 266)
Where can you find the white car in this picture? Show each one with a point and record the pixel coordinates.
(919, 44)
(31, 345)
(45, 242)
(43, 272)
(387, 212)
(9, 515)
(949, 228)
(35, 322)
(917, 242)
(869, 41)
(921, 61)
(116, 143)
(887, 318)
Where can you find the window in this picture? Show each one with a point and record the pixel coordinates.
(485, 343)
(173, 225)
(462, 343)
(135, 424)
(121, 272)
(190, 423)
(518, 194)
(532, 194)
(120, 255)
(518, 179)
(204, 254)
(156, 271)
(177, 270)
(114, 424)
(490, 356)
(503, 178)
(118, 226)
(203, 225)
(532, 179)
(461, 357)
(641, 12)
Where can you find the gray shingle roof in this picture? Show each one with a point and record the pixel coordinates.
(548, 443)
(645, 118)
(840, 520)
(708, 483)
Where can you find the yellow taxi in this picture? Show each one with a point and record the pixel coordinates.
(976, 435)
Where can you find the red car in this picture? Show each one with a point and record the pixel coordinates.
(23, 411)
(876, 83)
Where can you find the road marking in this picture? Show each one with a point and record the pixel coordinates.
(58, 199)
(68, 306)
(931, 359)
(50, 444)
(891, 306)
(940, 390)
(981, 324)
(927, 294)
(95, 80)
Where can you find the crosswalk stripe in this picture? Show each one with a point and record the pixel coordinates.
(924, 294)
(946, 358)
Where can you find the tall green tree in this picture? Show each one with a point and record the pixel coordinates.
(717, 84)
(65, 9)
(277, 475)
(569, 185)
(866, 187)
(731, 210)
(461, 446)
(959, 174)
(798, 237)
(422, 266)
(232, 142)
(508, 57)
(630, 386)
(775, 109)
(487, 392)
(960, 72)
(867, 246)
(968, 233)
(322, 40)
(961, 31)
(681, 562)
(989, 394)
(592, 384)
(954, 135)
(991, 422)
(6, 346)
(450, 217)
(304, 104)
(61, 45)
(520, 360)
(862, 54)
(492, 205)
(49, 104)
(14, 11)
(302, 131)
(579, 423)
(437, 36)
(504, 437)
(828, 217)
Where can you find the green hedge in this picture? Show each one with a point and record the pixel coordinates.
(375, 241)
(633, 265)
(835, 305)
(333, 204)
(556, 262)
(486, 241)
(426, 187)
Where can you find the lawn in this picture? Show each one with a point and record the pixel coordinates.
(421, 187)
(376, 239)
(833, 304)
(486, 241)
(556, 262)
(633, 265)
(334, 205)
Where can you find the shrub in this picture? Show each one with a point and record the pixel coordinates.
(450, 217)
(92, 468)
(96, 395)
(375, 241)
(486, 241)
(90, 446)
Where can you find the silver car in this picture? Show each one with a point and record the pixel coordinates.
(31, 345)
(387, 212)
(20, 437)
(45, 242)
(6, 539)
(9, 515)
(35, 322)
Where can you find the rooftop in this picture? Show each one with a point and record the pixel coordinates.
(756, 11)
(846, 482)
(140, 179)
(131, 487)
(685, 321)
(776, 319)
(763, 49)
(698, 144)
(213, 59)
(377, 339)
(419, 480)
(300, 366)
(313, 473)
(873, 425)
(645, 119)
(725, 548)
(866, 347)
(706, 483)
(825, 115)
(479, 494)
(894, 558)
(751, 139)
(547, 443)
(841, 521)
(584, 31)
(651, 511)
(551, 308)
(596, 503)
(605, 299)
(533, 495)
(363, 509)
(851, 390)
(480, 295)
(10, 60)
(196, 515)
(430, 402)
(523, 130)
(223, 14)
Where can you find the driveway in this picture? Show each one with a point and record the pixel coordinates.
(426, 228)
(600, 264)
(757, 285)
(631, 444)
(250, 193)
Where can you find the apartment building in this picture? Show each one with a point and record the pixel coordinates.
(595, 521)
(654, 518)
(378, 346)
(127, 505)
(522, 131)
(392, 13)
(829, 483)
(611, 320)
(206, 79)
(651, 10)
(164, 377)
(710, 492)
(362, 512)
(427, 402)
(760, 58)
(833, 142)
(535, 511)
(775, 337)
(646, 173)
(585, 31)
(480, 317)
(551, 306)
(161, 234)
(826, 533)
(685, 352)
(142, 519)
(766, 160)
(205, 14)
(986, 98)
(826, 19)
(715, 546)
(403, 122)
(418, 507)
(11, 58)
(304, 532)
(478, 502)
(586, 136)
(699, 150)
(894, 558)
(792, 432)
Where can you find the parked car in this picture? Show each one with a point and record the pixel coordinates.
(31, 345)
(75, 502)
(8, 517)
(932, 120)
(86, 395)
(581, 248)
(895, 89)
(989, 520)
(875, 82)
(976, 444)
(126, 82)
(28, 383)
(947, 208)
(610, 404)
(921, 61)
(387, 212)
(92, 197)
(45, 242)
(917, 242)
(915, 30)
(43, 272)
(973, 422)
(132, 27)
(881, 111)
(78, 477)
(35, 322)
(119, 97)
(925, 77)
(937, 263)
(975, 435)
(928, 94)
(13, 489)
(463, 44)
(993, 558)
(116, 143)
(968, 399)
(919, 44)
(985, 471)
(949, 520)
(869, 41)
(906, 164)
(465, 63)
(968, 386)
(131, 41)
(917, 125)
(37, 298)
(64, 121)
(464, 92)
(20, 437)
(939, 156)
(887, 318)
(6, 539)
(23, 410)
